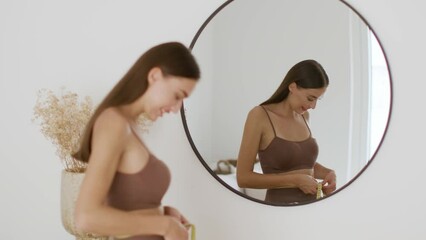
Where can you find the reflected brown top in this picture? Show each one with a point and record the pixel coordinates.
(282, 155)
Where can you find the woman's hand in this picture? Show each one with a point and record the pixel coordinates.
(176, 230)
(329, 183)
(173, 212)
(307, 183)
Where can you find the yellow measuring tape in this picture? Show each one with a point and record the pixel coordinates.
(192, 226)
(319, 191)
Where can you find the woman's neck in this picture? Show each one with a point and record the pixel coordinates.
(283, 109)
(129, 111)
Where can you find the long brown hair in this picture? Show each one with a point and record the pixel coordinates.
(306, 74)
(172, 58)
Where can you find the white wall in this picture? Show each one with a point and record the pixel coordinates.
(87, 46)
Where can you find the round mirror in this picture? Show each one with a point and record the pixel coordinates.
(244, 50)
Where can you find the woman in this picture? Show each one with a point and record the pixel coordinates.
(124, 182)
(277, 132)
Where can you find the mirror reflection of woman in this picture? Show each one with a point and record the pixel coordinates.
(121, 194)
(278, 134)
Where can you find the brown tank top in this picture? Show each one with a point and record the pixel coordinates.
(141, 190)
(282, 155)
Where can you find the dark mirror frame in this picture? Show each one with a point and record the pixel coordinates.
(188, 134)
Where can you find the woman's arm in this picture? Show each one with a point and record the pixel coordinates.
(92, 214)
(247, 178)
(320, 171)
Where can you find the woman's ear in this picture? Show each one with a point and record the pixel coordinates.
(292, 87)
(154, 74)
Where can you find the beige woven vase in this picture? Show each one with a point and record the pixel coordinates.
(70, 186)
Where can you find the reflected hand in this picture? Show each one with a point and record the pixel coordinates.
(329, 183)
(307, 184)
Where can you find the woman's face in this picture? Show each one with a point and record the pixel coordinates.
(303, 99)
(165, 93)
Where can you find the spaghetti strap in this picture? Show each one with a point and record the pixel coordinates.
(309, 129)
(267, 114)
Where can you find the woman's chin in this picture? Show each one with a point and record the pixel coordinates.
(301, 111)
(153, 117)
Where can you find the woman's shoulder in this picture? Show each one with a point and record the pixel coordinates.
(257, 113)
(257, 110)
(253, 112)
(112, 119)
(111, 112)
